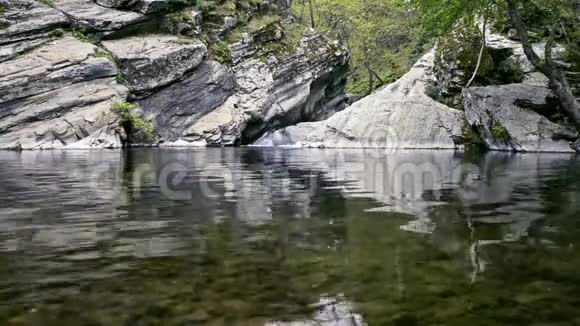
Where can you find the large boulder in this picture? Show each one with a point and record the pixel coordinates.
(398, 116)
(152, 61)
(24, 25)
(505, 118)
(503, 62)
(59, 96)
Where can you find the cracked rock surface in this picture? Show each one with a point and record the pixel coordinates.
(152, 61)
(58, 95)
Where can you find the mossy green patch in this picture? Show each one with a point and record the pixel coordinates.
(79, 35)
(261, 24)
(59, 32)
(49, 3)
(100, 53)
(471, 137)
(227, 8)
(133, 123)
(185, 41)
(183, 16)
(220, 52)
(499, 132)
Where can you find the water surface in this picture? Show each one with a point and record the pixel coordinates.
(288, 237)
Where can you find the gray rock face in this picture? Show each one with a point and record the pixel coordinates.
(254, 97)
(398, 116)
(57, 96)
(89, 16)
(142, 6)
(493, 111)
(25, 25)
(58, 64)
(282, 92)
(149, 62)
(179, 106)
(187, 22)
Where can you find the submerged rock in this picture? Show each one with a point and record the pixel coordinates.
(505, 125)
(57, 95)
(398, 116)
(152, 61)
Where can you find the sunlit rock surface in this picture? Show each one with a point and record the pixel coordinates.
(152, 61)
(25, 25)
(58, 95)
(91, 17)
(400, 115)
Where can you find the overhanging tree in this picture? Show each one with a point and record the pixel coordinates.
(554, 18)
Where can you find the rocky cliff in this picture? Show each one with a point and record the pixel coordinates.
(103, 74)
(400, 115)
(511, 109)
(112, 73)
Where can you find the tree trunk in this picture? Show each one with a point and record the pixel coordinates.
(371, 81)
(558, 82)
(311, 13)
(482, 44)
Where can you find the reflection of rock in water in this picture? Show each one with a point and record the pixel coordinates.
(113, 204)
(509, 191)
(332, 312)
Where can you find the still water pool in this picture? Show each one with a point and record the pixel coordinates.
(243, 236)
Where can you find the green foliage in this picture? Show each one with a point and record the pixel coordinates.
(264, 24)
(99, 53)
(123, 109)
(59, 32)
(472, 138)
(81, 36)
(227, 8)
(183, 16)
(121, 79)
(2, 10)
(132, 122)
(381, 36)
(438, 17)
(499, 132)
(220, 52)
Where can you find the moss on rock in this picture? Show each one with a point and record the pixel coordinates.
(499, 132)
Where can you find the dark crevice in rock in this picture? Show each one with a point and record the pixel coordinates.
(327, 96)
(550, 109)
